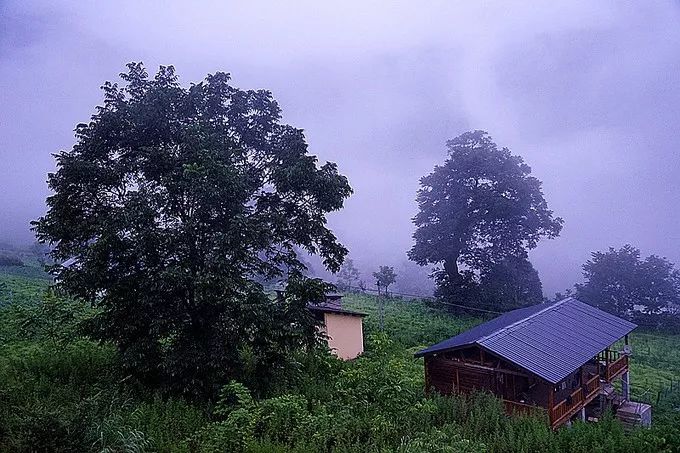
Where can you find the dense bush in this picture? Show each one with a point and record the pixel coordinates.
(378, 405)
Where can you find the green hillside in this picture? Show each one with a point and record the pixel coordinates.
(61, 392)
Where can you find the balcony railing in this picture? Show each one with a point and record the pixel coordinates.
(617, 367)
(615, 363)
(592, 387)
(580, 397)
(608, 355)
(566, 408)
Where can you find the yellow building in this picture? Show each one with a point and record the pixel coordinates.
(343, 328)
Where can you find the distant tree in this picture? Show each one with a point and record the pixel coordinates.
(620, 282)
(479, 208)
(511, 284)
(567, 293)
(348, 275)
(169, 204)
(40, 251)
(414, 279)
(384, 277)
(10, 259)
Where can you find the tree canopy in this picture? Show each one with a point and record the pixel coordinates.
(384, 277)
(477, 210)
(510, 284)
(170, 204)
(621, 282)
(348, 275)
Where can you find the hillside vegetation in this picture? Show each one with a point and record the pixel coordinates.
(62, 392)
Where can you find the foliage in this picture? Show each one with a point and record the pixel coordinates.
(510, 284)
(378, 405)
(409, 323)
(60, 392)
(348, 275)
(5, 294)
(75, 396)
(620, 282)
(384, 277)
(20, 289)
(482, 206)
(55, 319)
(171, 202)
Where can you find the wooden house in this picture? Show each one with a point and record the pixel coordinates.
(343, 328)
(557, 358)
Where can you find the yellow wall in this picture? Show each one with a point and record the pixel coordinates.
(345, 334)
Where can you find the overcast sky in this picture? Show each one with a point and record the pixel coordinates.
(587, 92)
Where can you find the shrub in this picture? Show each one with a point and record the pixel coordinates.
(446, 440)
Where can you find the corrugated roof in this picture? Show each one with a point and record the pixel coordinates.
(550, 340)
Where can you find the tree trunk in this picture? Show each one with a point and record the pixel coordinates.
(451, 268)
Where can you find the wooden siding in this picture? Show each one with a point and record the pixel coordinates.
(448, 376)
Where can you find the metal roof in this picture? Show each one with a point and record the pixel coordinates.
(550, 340)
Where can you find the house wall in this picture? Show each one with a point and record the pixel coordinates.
(345, 334)
(566, 386)
(447, 376)
(448, 373)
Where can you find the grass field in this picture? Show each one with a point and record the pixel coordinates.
(62, 392)
(15, 287)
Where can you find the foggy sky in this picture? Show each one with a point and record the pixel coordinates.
(587, 92)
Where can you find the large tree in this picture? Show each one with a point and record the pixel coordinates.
(479, 208)
(510, 284)
(621, 282)
(170, 204)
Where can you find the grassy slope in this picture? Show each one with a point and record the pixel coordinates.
(19, 287)
(411, 324)
(654, 366)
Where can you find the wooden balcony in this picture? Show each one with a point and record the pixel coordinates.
(578, 399)
(614, 364)
(563, 410)
(592, 388)
(617, 368)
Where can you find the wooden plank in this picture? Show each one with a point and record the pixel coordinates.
(491, 369)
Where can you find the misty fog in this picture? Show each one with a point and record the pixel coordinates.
(586, 92)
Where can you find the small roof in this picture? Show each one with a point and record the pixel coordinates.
(330, 307)
(550, 340)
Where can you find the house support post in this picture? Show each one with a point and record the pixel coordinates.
(427, 375)
(583, 414)
(625, 385)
